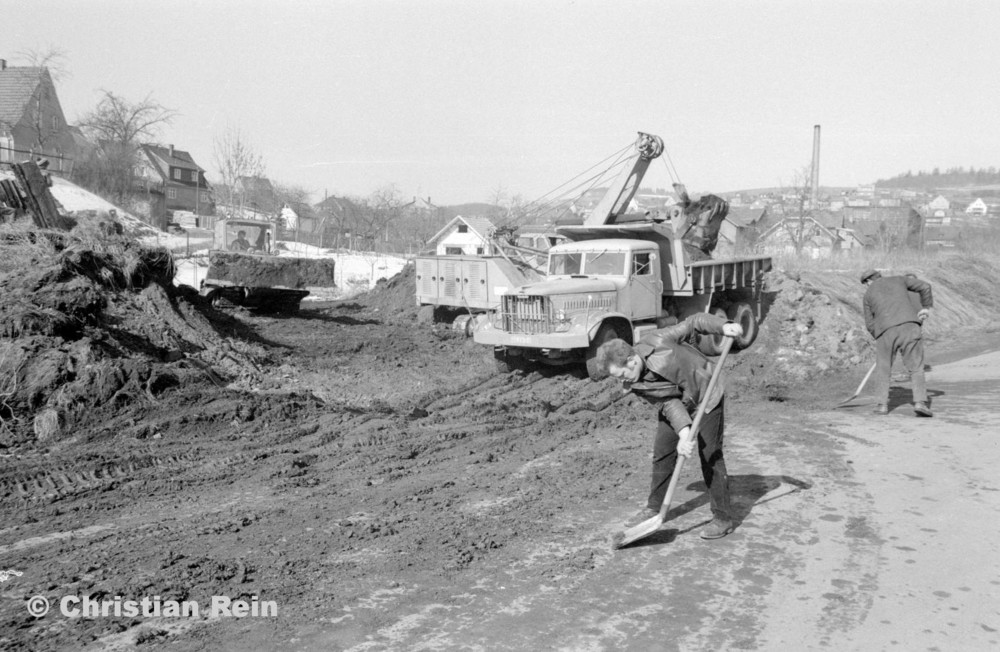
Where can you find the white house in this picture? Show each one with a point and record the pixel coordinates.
(939, 207)
(977, 207)
(469, 236)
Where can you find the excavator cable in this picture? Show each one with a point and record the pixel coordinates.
(551, 202)
(668, 163)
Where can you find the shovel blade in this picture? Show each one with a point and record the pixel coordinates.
(640, 531)
(845, 401)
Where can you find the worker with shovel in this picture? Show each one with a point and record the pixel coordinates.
(895, 324)
(674, 376)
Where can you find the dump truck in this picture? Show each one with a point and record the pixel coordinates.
(244, 269)
(473, 284)
(620, 276)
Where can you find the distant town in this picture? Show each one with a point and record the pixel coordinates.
(167, 187)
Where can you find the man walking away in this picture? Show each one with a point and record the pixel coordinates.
(893, 321)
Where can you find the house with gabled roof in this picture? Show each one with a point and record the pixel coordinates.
(257, 194)
(977, 207)
(470, 236)
(939, 207)
(302, 222)
(805, 233)
(32, 122)
(739, 230)
(174, 182)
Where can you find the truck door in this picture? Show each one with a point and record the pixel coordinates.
(451, 280)
(474, 283)
(427, 280)
(645, 289)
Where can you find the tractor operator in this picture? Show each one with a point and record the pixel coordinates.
(240, 243)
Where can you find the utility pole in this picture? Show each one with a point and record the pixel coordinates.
(814, 199)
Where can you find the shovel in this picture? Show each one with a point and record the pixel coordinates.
(857, 393)
(651, 525)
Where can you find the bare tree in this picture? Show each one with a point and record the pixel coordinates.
(800, 230)
(384, 209)
(52, 58)
(510, 210)
(289, 193)
(119, 126)
(118, 120)
(236, 157)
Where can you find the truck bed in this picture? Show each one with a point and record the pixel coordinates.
(734, 274)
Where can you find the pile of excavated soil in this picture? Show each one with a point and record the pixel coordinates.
(813, 321)
(88, 329)
(394, 298)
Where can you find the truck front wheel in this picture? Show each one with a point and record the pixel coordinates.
(605, 333)
(506, 363)
(742, 313)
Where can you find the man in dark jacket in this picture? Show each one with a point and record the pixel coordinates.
(893, 321)
(671, 374)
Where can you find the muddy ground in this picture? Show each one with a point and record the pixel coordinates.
(374, 478)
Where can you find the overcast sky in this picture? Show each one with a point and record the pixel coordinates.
(455, 99)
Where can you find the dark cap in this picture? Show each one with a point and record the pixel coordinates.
(869, 273)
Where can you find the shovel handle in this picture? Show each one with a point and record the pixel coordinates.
(727, 343)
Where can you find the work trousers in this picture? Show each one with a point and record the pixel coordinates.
(713, 465)
(904, 339)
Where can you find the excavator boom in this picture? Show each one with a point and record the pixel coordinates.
(626, 184)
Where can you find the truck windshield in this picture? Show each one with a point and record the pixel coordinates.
(594, 263)
(247, 237)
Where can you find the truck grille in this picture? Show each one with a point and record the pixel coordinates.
(525, 314)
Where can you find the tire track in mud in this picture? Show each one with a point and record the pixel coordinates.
(486, 407)
(68, 478)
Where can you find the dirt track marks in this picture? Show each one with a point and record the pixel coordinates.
(63, 478)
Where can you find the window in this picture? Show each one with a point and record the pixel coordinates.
(176, 173)
(605, 263)
(463, 228)
(565, 263)
(171, 193)
(204, 197)
(55, 123)
(452, 251)
(479, 250)
(641, 266)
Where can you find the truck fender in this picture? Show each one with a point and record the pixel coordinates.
(621, 323)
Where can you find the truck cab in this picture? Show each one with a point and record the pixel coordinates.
(244, 236)
(594, 290)
(629, 268)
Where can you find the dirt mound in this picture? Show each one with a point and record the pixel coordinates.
(395, 297)
(92, 327)
(813, 320)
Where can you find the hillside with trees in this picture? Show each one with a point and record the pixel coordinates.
(957, 177)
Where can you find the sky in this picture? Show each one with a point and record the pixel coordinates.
(461, 100)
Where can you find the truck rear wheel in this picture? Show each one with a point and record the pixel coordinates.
(742, 313)
(712, 344)
(605, 333)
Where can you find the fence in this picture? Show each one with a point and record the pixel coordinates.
(57, 164)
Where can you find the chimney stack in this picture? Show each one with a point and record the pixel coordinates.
(171, 151)
(815, 168)
(3, 64)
